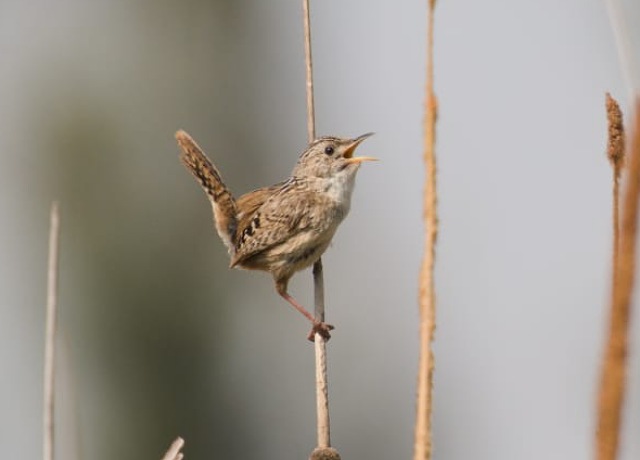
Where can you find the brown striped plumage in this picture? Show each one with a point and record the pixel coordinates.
(286, 227)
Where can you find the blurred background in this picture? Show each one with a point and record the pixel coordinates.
(158, 338)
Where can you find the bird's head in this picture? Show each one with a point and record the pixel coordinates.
(328, 157)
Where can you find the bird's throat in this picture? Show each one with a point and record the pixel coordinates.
(339, 187)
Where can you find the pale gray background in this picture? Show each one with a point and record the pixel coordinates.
(158, 338)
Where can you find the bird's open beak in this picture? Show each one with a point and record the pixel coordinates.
(348, 154)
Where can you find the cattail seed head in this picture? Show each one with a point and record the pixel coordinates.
(615, 144)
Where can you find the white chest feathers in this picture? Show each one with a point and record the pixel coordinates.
(339, 189)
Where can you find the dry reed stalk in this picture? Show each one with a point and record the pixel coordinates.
(422, 444)
(322, 388)
(50, 335)
(173, 453)
(320, 345)
(613, 371)
(311, 111)
(623, 46)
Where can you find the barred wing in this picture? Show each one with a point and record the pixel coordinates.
(292, 210)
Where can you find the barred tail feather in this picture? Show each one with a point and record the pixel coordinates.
(224, 205)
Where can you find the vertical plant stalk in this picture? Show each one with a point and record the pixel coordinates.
(311, 110)
(422, 446)
(320, 345)
(173, 453)
(322, 388)
(50, 335)
(623, 46)
(613, 372)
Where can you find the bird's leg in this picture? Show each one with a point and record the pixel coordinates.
(318, 326)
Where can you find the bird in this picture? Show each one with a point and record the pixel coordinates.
(286, 227)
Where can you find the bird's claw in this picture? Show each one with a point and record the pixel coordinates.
(321, 328)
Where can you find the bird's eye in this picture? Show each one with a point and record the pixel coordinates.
(329, 150)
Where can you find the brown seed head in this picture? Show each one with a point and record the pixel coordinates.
(615, 145)
(324, 453)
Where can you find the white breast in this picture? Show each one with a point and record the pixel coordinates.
(339, 188)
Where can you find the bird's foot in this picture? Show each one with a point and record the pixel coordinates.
(321, 328)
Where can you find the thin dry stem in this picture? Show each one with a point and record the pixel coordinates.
(422, 447)
(322, 394)
(322, 388)
(615, 153)
(320, 345)
(174, 450)
(623, 46)
(311, 117)
(613, 373)
(50, 335)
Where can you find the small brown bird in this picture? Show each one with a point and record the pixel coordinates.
(286, 227)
